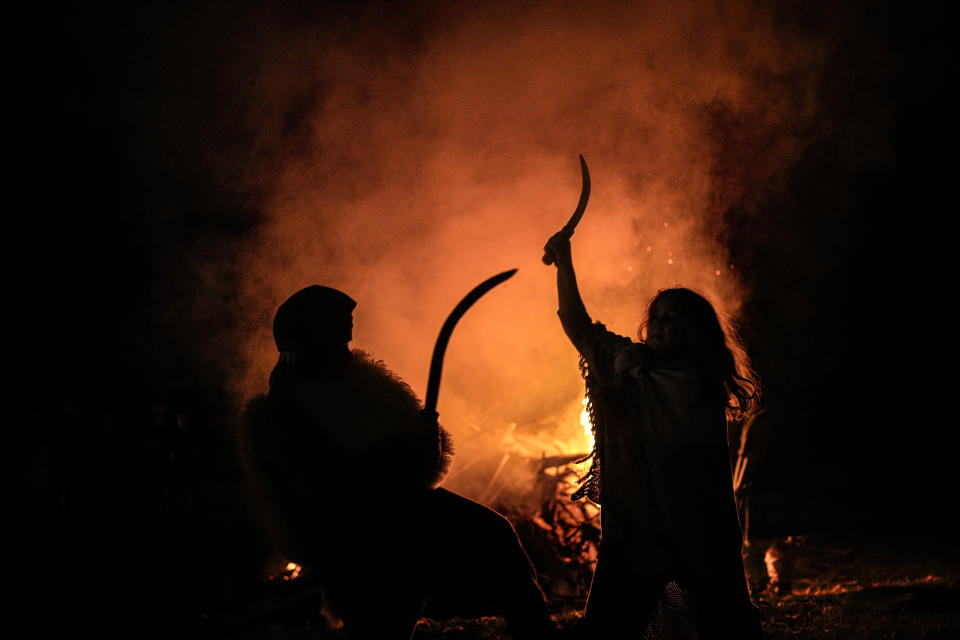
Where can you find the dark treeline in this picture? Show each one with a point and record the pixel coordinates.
(129, 503)
(849, 266)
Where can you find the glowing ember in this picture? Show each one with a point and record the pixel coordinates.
(772, 559)
(292, 571)
(280, 568)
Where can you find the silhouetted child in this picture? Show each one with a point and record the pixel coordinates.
(660, 466)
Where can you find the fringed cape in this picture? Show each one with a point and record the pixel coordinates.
(661, 471)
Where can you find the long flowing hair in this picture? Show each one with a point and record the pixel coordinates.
(716, 345)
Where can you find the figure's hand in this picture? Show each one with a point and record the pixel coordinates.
(557, 249)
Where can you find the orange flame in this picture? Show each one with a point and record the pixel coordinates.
(586, 423)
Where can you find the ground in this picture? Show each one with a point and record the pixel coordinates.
(828, 589)
(867, 591)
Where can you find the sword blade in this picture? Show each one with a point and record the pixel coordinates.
(436, 363)
(581, 206)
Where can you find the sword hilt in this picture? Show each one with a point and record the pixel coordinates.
(547, 258)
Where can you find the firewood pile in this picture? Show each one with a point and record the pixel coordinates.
(560, 536)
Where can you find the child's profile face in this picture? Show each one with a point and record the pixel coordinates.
(665, 334)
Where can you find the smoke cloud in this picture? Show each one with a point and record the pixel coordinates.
(404, 157)
(188, 168)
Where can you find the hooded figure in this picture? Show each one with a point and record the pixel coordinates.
(347, 464)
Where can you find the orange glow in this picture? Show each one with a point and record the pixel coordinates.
(770, 558)
(279, 568)
(416, 178)
(293, 571)
(809, 588)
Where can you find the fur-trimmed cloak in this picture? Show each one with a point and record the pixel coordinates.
(334, 451)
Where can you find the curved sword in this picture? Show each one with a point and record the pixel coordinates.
(436, 363)
(578, 212)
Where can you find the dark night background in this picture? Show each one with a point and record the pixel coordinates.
(850, 254)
